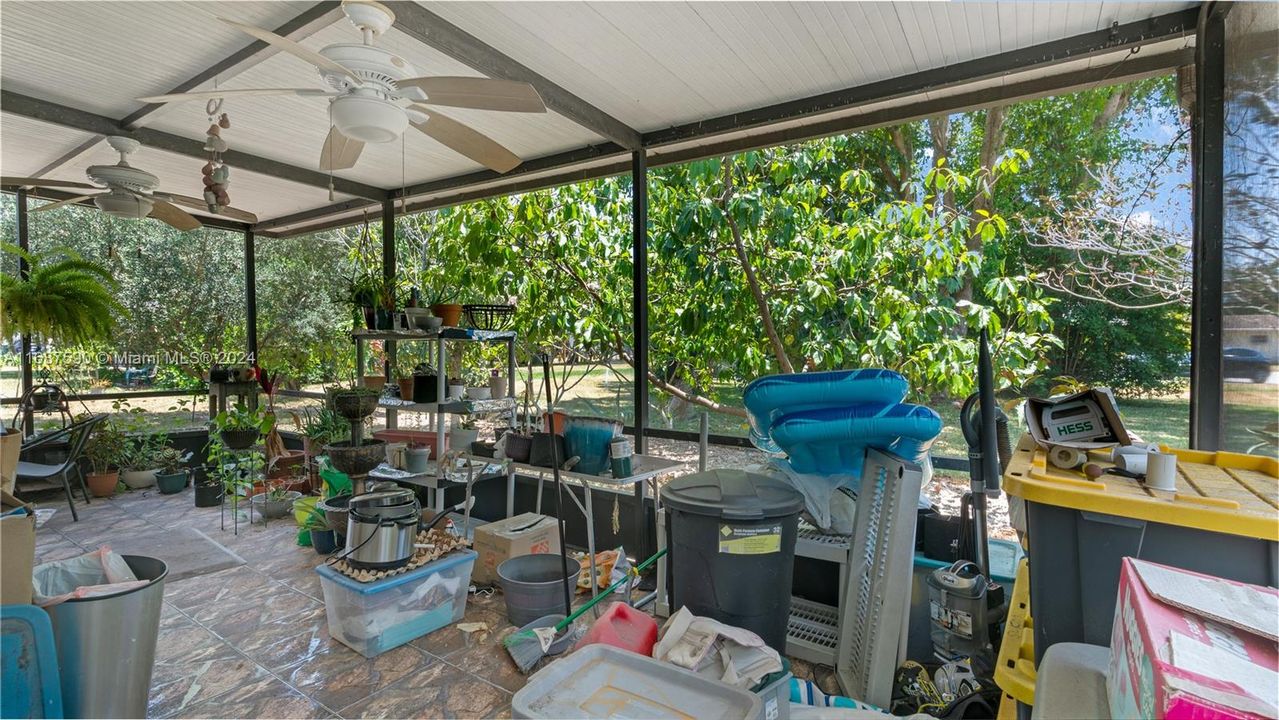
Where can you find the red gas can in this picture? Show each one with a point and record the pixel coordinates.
(624, 627)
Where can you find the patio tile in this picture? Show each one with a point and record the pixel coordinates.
(339, 677)
(52, 546)
(95, 534)
(240, 618)
(201, 680)
(267, 698)
(449, 641)
(279, 644)
(486, 658)
(181, 646)
(439, 691)
(228, 586)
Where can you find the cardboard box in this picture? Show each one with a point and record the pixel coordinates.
(1186, 645)
(1107, 413)
(17, 550)
(10, 448)
(527, 534)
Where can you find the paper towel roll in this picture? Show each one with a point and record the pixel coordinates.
(1066, 458)
(1161, 471)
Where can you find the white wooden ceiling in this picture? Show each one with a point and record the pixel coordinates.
(650, 65)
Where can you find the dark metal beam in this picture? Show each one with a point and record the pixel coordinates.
(45, 111)
(24, 271)
(1208, 162)
(311, 20)
(639, 322)
(430, 29)
(1126, 70)
(1073, 48)
(50, 194)
(313, 214)
(251, 295)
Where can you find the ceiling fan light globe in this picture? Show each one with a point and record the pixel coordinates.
(367, 119)
(124, 205)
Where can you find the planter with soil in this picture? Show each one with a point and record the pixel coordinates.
(138, 479)
(324, 541)
(239, 439)
(354, 405)
(336, 510)
(171, 484)
(208, 494)
(102, 484)
(285, 466)
(356, 459)
(449, 313)
(272, 508)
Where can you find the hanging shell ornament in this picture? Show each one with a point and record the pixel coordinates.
(215, 175)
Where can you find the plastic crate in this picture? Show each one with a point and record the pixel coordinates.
(1015, 666)
(1219, 521)
(371, 618)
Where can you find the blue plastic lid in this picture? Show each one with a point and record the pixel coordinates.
(453, 559)
(29, 664)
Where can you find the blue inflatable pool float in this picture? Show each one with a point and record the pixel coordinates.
(833, 440)
(768, 398)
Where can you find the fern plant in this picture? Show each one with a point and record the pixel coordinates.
(65, 298)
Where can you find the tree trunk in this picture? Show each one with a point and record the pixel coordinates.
(752, 282)
(992, 144)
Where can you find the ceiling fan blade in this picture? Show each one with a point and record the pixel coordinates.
(198, 204)
(465, 141)
(294, 48)
(211, 94)
(339, 152)
(60, 203)
(478, 93)
(173, 216)
(43, 182)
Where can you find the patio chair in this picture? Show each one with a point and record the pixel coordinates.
(75, 435)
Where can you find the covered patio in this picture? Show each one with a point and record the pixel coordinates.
(627, 87)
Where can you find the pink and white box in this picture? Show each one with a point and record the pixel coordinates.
(1187, 646)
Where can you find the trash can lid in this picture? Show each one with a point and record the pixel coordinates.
(733, 494)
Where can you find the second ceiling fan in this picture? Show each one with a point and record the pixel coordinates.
(376, 95)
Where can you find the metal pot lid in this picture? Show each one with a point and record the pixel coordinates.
(383, 498)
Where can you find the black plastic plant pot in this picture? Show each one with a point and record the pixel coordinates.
(426, 388)
(370, 318)
(354, 406)
(356, 460)
(208, 494)
(239, 439)
(385, 319)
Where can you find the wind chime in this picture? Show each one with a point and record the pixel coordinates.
(216, 175)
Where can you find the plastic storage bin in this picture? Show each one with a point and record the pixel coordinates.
(603, 681)
(1220, 521)
(371, 618)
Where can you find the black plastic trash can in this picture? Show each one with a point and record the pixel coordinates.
(731, 541)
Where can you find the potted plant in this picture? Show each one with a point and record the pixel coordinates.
(463, 433)
(241, 427)
(425, 387)
(417, 457)
(355, 402)
(444, 305)
(142, 459)
(276, 502)
(404, 378)
(477, 384)
(384, 311)
(497, 384)
(63, 298)
(105, 449)
(316, 525)
(363, 295)
(171, 477)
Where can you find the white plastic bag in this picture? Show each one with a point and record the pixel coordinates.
(101, 572)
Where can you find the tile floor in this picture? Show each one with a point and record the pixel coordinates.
(253, 641)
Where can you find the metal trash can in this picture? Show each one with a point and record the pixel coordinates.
(106, 646)
(731, 536)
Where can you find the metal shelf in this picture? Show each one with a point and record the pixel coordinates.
(462, 334)
(812, 632)
(451, 407)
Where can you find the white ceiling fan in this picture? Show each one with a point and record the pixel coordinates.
(376, 95)
(131, 192)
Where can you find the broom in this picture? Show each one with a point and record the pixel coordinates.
(527, 647)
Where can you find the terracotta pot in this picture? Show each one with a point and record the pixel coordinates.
(556, 424)
(406, 389)
(285, 464)
(375, 382)
(450, 313)
(102, 485)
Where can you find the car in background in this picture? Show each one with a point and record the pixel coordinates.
(1246, 363)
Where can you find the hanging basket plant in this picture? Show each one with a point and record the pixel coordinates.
(64, 298)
